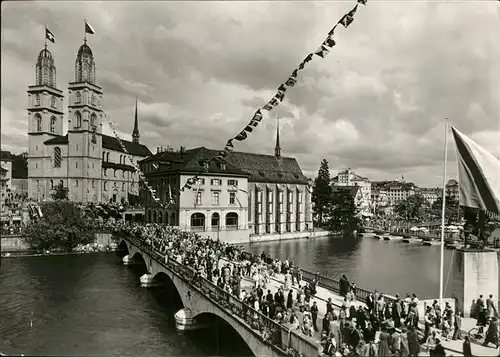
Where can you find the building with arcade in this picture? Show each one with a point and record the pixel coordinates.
(244, 197)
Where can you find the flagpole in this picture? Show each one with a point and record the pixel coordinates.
(85, 31)
(443, 207)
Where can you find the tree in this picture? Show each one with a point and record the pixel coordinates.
(63, 226)
(20, 166)
(452, 211)
(414, 208)
(322, 192)
(60, 193)
(342, 212)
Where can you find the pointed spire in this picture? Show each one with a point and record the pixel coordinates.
(277, 149)
(135, 132)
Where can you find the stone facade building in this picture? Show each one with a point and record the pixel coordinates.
(242, 196)
(347, 178)
(90, 164)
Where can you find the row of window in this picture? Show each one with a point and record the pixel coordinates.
(38, 101)
(123, 158)
(39, 123)
(217, 182)
(77, 184)
(78, 98)
(215, 198)
(198, 220)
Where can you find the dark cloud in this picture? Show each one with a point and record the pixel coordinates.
(200, 70)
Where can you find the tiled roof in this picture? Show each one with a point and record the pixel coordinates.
(6, 155)
(188, 161)
(259, 168)
(61, 140)
(268, 168)
(114, 165)
(110, 143)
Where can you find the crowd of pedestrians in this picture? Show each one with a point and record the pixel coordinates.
(380, 327)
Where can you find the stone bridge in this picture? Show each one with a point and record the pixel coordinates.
(263, 336)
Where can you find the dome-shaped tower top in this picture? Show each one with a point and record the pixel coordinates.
(85, 65)
(45, 69)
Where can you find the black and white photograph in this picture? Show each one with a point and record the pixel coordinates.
(250, 178)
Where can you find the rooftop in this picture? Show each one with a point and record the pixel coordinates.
(110, 143)
(258, 167)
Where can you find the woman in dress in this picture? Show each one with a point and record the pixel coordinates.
(383, 347)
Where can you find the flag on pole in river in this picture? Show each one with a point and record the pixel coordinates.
(478, 175)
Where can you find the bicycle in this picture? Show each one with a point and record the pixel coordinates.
(475, 335)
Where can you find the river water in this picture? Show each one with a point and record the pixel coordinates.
(391, 267)
(92, 305)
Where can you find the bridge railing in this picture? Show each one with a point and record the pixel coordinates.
(270, 331)
(324, 281)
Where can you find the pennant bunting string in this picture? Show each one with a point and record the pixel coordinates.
(322, 51)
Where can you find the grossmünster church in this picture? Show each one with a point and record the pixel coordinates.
(91, 165)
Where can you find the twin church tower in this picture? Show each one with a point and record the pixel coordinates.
(91, 165)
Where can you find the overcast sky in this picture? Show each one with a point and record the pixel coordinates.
(376, 103)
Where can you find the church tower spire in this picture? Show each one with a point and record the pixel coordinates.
(277, 148)
(135, 132)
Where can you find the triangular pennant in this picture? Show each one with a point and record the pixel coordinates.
(282, 88)
(330, 33)
(274, 102)
(329, 42)
(249, 128)
(363, 2)
(353, 11)
(290, 82)
(280, 96)
(241, 136)
(268, 106)
(322, 51)
(346, 20)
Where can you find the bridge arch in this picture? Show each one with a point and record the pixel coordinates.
(226, 334)
(122, 249)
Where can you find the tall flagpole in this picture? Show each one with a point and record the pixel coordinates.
(443, 207)
(85, 31)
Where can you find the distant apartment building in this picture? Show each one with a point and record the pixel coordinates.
(452, 189)
(430, 194)
(348, 178)
(393, 192)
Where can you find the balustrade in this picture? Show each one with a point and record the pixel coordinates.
(270, 331)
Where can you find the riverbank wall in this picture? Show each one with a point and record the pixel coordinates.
(14, 244)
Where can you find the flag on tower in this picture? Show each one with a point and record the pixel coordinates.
(49, 36)
(89, 29)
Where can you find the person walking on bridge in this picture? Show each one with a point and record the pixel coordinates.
(490, 306)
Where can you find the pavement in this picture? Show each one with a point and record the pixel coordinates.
(453, 348)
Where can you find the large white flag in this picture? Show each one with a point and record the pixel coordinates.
(478, 174)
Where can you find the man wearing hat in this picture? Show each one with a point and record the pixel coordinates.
(314, 315)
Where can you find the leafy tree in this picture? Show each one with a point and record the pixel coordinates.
(342, 212)
(63, 226)
(20, 166)
(414, 208)
(60, 193)
(322, 192)
(452, 211)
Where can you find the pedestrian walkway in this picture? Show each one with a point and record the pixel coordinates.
(454, 348)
